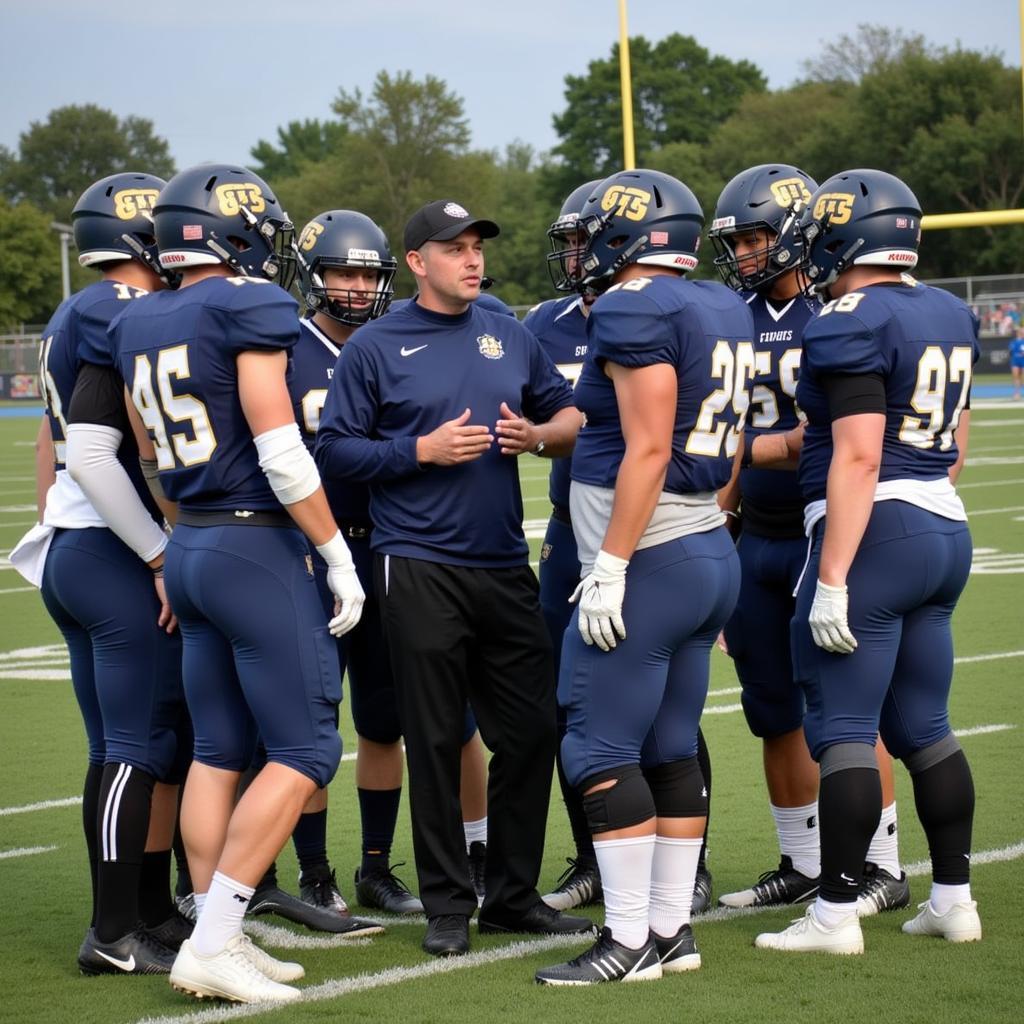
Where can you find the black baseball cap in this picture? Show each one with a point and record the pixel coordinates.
(441, 221)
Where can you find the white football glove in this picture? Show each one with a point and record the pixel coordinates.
(600, 596)
(344, 585)
(827, 619)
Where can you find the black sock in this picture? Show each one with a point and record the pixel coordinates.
(183, 885)
(155, 903)
(704, 761)
(126, 794)
(310, 839)
(90, 809)
(378, 812)
(269, 879)
(944, 796)
(849, 807)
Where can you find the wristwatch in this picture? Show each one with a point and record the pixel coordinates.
(539, 449)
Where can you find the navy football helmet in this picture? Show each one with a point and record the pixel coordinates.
(639, 216)
(765, 201)
(344, 238)
(860, 218)
(564, 235)
(218, 213)
(113, 221)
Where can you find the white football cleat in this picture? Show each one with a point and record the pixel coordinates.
(275, 970)
(229, 974)
(808, 935)
(958, 924)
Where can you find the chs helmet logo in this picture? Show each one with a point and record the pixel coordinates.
(490, 346)
(837, 205)
(233, 195)
(787, 191)
(310, 233)
(130, 202)
(631, 203)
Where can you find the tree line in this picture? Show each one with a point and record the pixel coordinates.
(948, 121)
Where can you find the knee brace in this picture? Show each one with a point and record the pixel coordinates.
(627, 803)
(925, 758)
(841, 756)
(678, 789)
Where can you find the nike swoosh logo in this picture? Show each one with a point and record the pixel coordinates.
(412, 351)
(124, 965)
(847, 879)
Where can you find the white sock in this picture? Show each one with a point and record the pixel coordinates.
(221, 917)
(200, 900)
(476, 831)
(884, 849)
(672, 873)
(625, 866)
(830, 914)
(797, 828)
(944, 897)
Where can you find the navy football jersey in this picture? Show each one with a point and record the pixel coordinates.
(777, 339)
(309, 375)
(702, 329)
(401, 377)
(561, 328)
(76, 334)
(177, 352)
(923, 342)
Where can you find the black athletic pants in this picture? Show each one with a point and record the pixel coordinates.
(456, 633)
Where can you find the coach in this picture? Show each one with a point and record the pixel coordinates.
(430, 405)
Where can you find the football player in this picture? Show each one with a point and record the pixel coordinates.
(759, 255)
(660, 572)
(886, 378)
(1016, 348)
(102, 586)
(205, 367)
(560, 326)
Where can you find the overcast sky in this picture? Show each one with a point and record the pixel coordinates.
(216, 76)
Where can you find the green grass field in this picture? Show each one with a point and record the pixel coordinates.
(44, 881)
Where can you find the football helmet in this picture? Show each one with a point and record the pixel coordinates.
(344, 238)
(765, 199)
(638, 216)
(859, 218)
(219, 213)
(113, 221)
(563, 260)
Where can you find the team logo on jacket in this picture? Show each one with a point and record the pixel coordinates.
(545, 552)
(490, 346)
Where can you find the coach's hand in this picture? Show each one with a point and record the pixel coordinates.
(828, 622)
(515, 433)
(600, 597)
(454, 442)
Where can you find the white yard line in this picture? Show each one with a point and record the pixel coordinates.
(42, 805)
(366, 982)
(983, 730)
(993, 511)
(990, 483)
(25, 851)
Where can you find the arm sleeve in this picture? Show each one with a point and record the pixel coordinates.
(841, 343)
(345, 447)
(93, 464)
(99, 398)
(548, 391)
(851, 393)
(261, 318)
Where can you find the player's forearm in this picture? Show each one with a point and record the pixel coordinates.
(46, 472)
(638, 486)
(850, 496)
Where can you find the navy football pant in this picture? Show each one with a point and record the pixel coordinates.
(456, 633)
(758, 633)
(363, 652)
(904, 584)
(125, 670)
(257, 652)
(641, 702)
